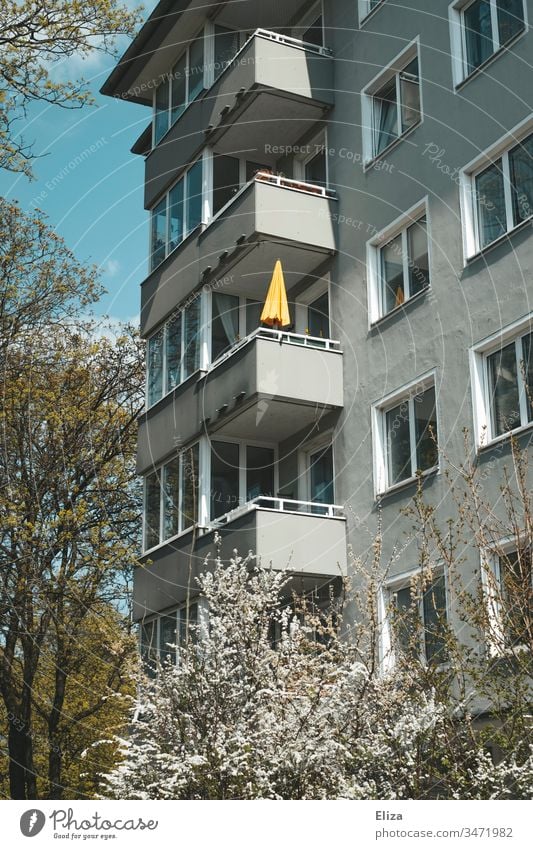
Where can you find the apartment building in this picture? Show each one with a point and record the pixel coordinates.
(383, 152)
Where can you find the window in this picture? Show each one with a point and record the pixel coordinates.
(398, 263)
(481, 28)
(173, 352)
(239, 474)
(416, 619)
(405, 429)
(224, 323)
(318, 317)
(171, 498)
(177, 214)
(503, 193)
(502, 380)
(391, 104)
(226, 180)
(514, 576)
(162, 636)
(367, 6)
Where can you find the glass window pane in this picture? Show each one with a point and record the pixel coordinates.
(516, 596)
(191, 354)
(491, 204)
(159, 233)
(253, 315)
(321, 468)
(171, 499)
(398, 443)
(173, 344)
(527, 372)
(314, 33)
(194, 196)
(434, 607)
(155, 367)
(179, 88)
(152, 510)
(316, 170)
(149, 646)
(196, 68)
(224, 323)
(425, 413)
(259, 472)
(318, 317)
(386, 116)
(410, 95)
(417, 238)
(168, 638)
(175, 209)
(252, 168)
(521, 172)
(161, 111)
(226, 46)
(478, 33)
(504, 394)
(406, 623)
(190, 467)
(393, 288)
(188, 623)
(224, 478)
(510, 18)
(225, 180)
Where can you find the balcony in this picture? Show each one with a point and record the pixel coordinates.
(275, 89)
(306, 540)
(267, 387)
(271, 217)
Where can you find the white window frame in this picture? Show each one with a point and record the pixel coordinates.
(479, 375)
(460, 69)
(391, 71)
(490, 578)
(156, 618)
(207, 31)
(390, 587)
(203, 324)
(314, 446)
(366, 9)
(160, 472)
(373, 257)
(242, 443)
(408, 392)
(186, 231)
(469, 212)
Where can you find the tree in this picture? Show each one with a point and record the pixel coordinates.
(41, 282)
(98, 694)
(34, 36)
(313, 715)
(69, 513)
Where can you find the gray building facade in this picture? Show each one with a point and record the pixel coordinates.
(383, 152)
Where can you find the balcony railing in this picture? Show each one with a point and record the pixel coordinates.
(281, 336)
(279, 505)
(291, 42)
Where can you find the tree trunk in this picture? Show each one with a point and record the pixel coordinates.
(22, 783)
(55, 760)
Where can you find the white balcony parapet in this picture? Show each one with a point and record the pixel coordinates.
(280, 505)
(282, 337)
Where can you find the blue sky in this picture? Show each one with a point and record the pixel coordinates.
(89, 184)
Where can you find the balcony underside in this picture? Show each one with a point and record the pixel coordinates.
(266, 391)
(270, 97)
(311, 549)
(237, 251)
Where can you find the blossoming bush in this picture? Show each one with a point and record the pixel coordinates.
(308, 718)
